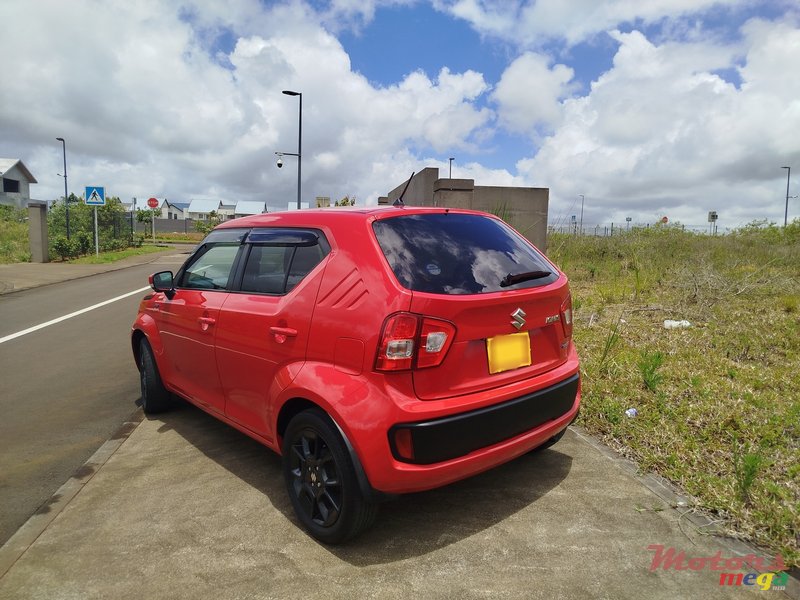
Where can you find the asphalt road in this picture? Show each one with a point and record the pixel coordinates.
(66, 388)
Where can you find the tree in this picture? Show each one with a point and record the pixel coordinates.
(146, 215)
(206, 226)
(346, 201)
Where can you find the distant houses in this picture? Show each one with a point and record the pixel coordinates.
(200, 210)
(16, 179)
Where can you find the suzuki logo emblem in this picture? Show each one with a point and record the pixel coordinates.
(518, 318)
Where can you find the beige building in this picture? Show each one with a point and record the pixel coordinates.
(523, 208)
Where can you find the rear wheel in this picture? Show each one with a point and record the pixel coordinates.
(321, 480)
(155, 397)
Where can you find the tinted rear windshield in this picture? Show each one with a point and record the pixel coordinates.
(454, 253)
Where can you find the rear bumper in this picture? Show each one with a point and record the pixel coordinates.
(450, 437)
(451, 447)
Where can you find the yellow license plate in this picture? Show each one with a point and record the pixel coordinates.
(508, 352)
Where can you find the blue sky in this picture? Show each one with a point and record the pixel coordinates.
(403, 39)
(659, 108)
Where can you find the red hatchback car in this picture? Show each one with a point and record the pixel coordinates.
(378, 350)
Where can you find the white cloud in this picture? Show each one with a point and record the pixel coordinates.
(182, 103)
(148, 109)
(661, 134)
(530, 23)
(529, 92)
(354, 14)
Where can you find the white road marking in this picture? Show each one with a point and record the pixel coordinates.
(8, 338)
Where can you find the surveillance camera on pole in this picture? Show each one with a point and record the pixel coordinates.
(280, 159)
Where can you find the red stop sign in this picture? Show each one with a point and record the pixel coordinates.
(152, 202)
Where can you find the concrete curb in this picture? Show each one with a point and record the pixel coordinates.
(26, 535)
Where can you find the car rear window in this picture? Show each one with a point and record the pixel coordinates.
(457, 253)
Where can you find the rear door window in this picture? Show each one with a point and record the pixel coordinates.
(280, 258)
(456, 253)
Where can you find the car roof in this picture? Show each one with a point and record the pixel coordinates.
(321, 216)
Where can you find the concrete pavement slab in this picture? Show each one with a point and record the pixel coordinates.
(187, 507)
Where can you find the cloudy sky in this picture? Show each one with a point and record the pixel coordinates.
(649, 109)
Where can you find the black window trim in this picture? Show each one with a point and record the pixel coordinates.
(235, 286)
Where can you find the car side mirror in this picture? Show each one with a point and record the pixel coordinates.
(163, 282)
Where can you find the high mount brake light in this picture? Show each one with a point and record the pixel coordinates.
(411, 341)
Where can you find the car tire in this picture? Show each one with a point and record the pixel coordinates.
(321, 481)
(155, 397)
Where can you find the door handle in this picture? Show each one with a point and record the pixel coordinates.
(281, 333)
(206, 322)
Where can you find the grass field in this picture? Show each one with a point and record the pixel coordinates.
(114, 256)
(718, 402)
(14, 245)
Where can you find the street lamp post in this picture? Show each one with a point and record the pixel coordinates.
(581, 195)
(786, 210)
(66, 196)
(299, 141)
(451, 159)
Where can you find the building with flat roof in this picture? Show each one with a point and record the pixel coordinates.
(524, 208)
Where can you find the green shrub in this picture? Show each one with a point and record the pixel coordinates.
(14, 241)
(85, 242)
(65, 248)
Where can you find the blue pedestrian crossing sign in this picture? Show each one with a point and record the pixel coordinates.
(95, 196)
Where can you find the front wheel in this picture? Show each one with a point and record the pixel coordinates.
(155, 397)
(321, 480)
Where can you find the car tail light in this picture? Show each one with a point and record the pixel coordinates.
(413, 341)
(566, 316)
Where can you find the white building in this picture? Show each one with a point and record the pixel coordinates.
(173, 210)
(199, 210)
(245, 208)
(17, 178)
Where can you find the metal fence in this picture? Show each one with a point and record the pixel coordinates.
(605, 230)
(163, 226)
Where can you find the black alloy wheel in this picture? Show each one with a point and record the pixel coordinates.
(155, 397)
(321, 481)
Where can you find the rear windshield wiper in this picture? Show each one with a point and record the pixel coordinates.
(520, 277)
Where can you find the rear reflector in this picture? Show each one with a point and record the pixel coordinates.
(403, 444)
(566, 316)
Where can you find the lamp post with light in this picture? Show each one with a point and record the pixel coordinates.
(299, 142)
(451, 159)
(786, 210)
(66, 196)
